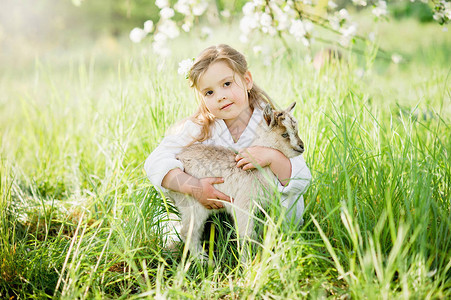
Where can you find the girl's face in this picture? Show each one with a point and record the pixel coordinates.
(224, 92)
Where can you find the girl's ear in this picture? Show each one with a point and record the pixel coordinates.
(248, 80)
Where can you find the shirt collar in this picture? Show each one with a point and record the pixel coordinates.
(248, 135)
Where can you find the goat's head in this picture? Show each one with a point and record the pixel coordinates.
(283, 130)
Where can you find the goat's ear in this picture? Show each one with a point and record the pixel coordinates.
(290, 108)
(268, 115)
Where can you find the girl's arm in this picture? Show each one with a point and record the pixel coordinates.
(201, 189)
(279, 164)
(164, 170)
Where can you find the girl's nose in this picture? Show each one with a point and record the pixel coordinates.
(221, 97)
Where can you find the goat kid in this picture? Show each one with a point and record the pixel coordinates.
(277, 130)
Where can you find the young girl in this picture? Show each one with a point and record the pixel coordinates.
(230, 109)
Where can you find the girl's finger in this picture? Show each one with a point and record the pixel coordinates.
(224, 197)
(248, 166)
(241, 163)
(215, 180)
(217, 205)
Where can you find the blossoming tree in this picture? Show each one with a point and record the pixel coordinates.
(296, 18)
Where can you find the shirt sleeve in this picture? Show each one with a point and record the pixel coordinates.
(300, 177)
(291, 194)
(163, 158)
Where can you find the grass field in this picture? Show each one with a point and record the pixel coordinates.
(79, 219)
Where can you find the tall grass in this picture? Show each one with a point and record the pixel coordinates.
(80, 220)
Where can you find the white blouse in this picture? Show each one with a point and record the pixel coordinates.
(162, 159)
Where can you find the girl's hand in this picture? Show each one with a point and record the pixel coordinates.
(207, 195)
(249, 158)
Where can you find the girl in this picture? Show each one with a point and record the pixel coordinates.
(230, 108)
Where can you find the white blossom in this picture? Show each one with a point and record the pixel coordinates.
(148, 26)
(185, 67)
(259, 2)
(200, 8)
(265, 20)
(161, 3)
(248, 8)
(166, 13)
(272, 31)
(350, 31)
(308, 26)
(439, 15)
(137, 34)
(334, 22)
(169, 28)
(248, 23)
(332, 4)
(360, 2)
(442, 12)
(257, 49)
(348, 34)
(266, 24)
(381, 9)
(282, 17)
(267, 16)
(297, 29)
(396, 58)
(186, 26)
(447, 7)
(343, 14)
(283, 22)
(225, 13)
(300, 29)
(182, 7)
(160, 37)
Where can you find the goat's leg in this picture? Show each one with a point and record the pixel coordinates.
(193, 220)
(245, 228)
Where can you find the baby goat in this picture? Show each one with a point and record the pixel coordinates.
(277, 130)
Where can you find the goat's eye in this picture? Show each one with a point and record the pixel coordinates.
(285, 135)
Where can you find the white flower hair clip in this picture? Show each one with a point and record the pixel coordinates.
(185, 67)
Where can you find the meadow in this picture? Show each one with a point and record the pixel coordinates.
(79, 219)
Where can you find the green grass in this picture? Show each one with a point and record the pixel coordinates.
(80, 220)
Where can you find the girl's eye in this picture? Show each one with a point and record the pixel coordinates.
(209, 93)
(285, 135)
(228, 83)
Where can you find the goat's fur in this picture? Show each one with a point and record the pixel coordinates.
(277, 130)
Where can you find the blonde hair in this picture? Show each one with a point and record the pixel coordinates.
(237, 62)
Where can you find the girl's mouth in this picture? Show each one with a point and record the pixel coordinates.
(226, 106)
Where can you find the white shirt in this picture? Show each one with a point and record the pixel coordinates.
(162, 159)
